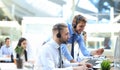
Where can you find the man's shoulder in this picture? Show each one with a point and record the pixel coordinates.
(45, 49)
(46, 46)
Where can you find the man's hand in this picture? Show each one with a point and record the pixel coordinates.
(98, 52)
(88, 65)
(73, 61)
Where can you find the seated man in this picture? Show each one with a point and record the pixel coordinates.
(6, 50)
(49, 56)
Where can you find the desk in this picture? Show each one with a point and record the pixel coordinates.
(112, 68)
(7, 66)
(99, 61)
(5, 59)
(12, 66)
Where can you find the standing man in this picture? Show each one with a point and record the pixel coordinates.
(50, 53)
(6, 50)
(75, 29)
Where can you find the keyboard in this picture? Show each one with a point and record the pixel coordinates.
(92, 61)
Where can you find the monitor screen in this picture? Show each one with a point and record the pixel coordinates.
(117, 54)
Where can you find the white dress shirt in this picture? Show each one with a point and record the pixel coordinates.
(48, 57)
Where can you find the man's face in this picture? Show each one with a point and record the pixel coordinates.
(64, 35)
(80, 27)
(7, 42)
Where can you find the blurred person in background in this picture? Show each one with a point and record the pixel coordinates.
(27, 55)
(7, 50)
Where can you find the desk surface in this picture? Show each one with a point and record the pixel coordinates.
(7, 66)
(5, 59)
(98, 62)
(11, 66)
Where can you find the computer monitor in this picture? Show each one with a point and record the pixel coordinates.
(117, 54)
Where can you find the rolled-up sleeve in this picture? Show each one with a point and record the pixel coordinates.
(66, 52)
(82, 46)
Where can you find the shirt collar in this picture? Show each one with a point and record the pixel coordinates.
(54, 44)
(7, 46)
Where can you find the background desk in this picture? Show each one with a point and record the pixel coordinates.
(7, 66)
(111, 58)
(5, 59)
(11, 66)
(98, 61)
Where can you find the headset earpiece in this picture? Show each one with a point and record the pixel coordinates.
(77, 21)
(74, 25)
(58, 34)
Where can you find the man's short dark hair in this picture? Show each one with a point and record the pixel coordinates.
(7, 39)
(59, 26)
(77, 19)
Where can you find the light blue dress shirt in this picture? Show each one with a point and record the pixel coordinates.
(6, 50)
(79, 39)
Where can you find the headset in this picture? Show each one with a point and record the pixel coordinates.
(58, 34)
(78, 18)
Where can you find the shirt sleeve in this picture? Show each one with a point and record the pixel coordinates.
(68, 64)
(82, 46)
(65, 52)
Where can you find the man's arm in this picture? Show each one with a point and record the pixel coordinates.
(66, 52)
(84, 50)
(82, 46)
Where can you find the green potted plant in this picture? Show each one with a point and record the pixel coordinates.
(19, 51)
(105, 65)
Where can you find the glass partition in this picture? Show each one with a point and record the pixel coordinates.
(9, 29)
(102, 36)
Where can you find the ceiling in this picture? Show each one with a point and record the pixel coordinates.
(16, 9)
